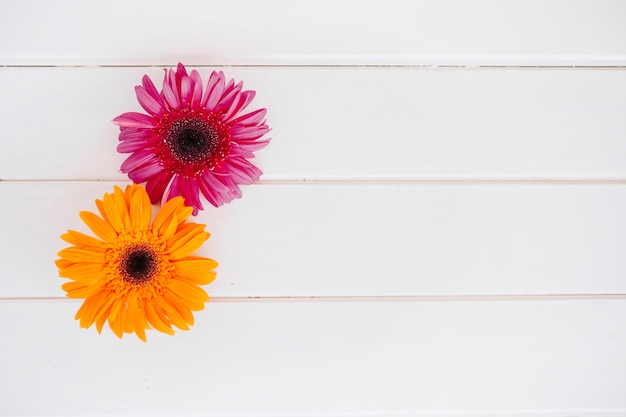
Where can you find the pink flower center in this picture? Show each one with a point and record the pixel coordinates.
(192, 141)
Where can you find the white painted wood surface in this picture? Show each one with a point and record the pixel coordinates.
(556, 357)
(345, 122)
(425, 240)
(327, 32)
(365, 239)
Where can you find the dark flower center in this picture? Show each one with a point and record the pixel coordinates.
(192, 142)
(138, 264)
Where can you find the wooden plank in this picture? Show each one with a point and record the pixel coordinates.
(450, 32)
(342, 123)
(540, 358)
(360, 240)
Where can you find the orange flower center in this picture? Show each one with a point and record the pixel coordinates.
(137, 265)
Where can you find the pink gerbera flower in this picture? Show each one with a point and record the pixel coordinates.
(191, 140)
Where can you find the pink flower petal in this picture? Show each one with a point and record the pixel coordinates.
(245, 99)
(210, 85)
(251, 119)
(183, 190)
(251, 146)
(145, 172)
(237, 150)
(155, 185)
(195, 195)
(171, 190)
(213, 190)
(132, 145)
(151, 89)
(242, 171)
(214, 90)
(146, 101)
(234, 189)
(235, 105)
(186, 90)
(239, 132)
(249, 96)
(132, 132)
(181, 71)
(133, 119)
(171, 98)
(171, 79)
(196, 96)
(175, 79)
(229, 87)
(187, 191)
(227, 98)
(138, 159)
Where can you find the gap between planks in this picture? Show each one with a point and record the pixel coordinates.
(385, 180)
(383, 298)
(339, 66)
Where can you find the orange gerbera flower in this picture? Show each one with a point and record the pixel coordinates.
(138, 275)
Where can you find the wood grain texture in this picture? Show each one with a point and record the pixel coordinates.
(398, 32)
(324, 359)
(362, 240)
(440, 229)
(342, 123)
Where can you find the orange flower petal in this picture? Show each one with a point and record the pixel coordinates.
(198, 278)
(117, 325)
(185, 226)
(193, 264)
(74, 254)
(93, 305)
(63, 263)
(102, 316)
(170, 227)
(117, 306)
(140, 210)
(184, 235)
(164, 216)
(100, 207)
(122, 205)
(155, 320)
(196, 270)
(129, 191)
(183, 212)
(125, 324)
(136, 319)
(81, 240)
(80, 289)
(172, 313)
(189, 246)
(101, 228)
(183, 307)
(111, 209)
(189, 292)
(83, 271)
(159, 311)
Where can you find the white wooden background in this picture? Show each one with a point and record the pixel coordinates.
(440, 230)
